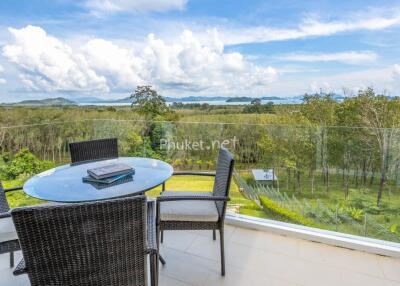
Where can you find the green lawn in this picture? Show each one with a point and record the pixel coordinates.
(387, 215)
(176, 183)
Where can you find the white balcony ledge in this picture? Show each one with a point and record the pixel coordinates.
(373, 246)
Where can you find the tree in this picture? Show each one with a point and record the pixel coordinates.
(319, 109)
(381, 115)
(24, 163)
(148, 102)
(256, 106)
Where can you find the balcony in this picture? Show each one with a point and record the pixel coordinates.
(295, 231)
(257, 257)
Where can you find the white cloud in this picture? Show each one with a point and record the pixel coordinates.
(379, 78)
(317, 87)
(308, 28)
(119, 65)
(190, 65)
(2, 80)
(352, 57)
(187, 65)
(396, 72)
(291, 84)
(48, 64)
(102, 6)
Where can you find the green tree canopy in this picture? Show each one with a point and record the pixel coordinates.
(25, 163)
(148, 102)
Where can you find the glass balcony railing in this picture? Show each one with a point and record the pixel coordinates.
(335, 178)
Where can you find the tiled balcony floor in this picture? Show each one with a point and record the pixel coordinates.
(258, 258)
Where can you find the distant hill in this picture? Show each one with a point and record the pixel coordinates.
(58, 101)
(273, 98)
(88, 99)
(240, 99)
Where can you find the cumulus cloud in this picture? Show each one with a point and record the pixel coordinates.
(103, 6)
(189, 64)
(352, 57)
(119, 65)
(48, 64)
(308, 28)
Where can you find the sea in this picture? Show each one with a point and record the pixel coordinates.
(211, 102)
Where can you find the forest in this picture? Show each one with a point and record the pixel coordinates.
(337, 163)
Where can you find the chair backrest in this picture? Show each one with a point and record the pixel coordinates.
(223, 177)
(93, 150)
(96, 243)
(4, 207)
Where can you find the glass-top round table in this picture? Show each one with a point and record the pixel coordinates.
(64, 184)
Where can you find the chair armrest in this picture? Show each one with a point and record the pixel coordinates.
(151, 228)
(190, 173)
(20, 269)
(5, 214)
(192, 198)
(12, 189)
(182, 173)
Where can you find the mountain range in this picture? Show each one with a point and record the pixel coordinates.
(58, 101)
(61, 101)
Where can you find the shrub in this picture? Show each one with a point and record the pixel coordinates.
(139, 146)
(394, 228)
(111, 109)
(177, 163)
(24, 163)
(288, 215)
(199, 163)
(354, 213)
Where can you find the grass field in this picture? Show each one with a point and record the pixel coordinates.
(176, 183)
(388, 215)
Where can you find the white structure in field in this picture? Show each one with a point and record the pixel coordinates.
(264, 175)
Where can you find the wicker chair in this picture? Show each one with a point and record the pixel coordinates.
(198, 210)
(96, 243)
(8, 236)
(93, 150)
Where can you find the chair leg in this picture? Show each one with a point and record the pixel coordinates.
(11, 259)
(214, 235)
(159, 257)
(153, 270)
(162, 260)
(221, 235)
(162, 236)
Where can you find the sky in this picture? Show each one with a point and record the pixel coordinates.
(105, 48)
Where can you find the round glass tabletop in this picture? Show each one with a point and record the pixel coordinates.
(64, 183)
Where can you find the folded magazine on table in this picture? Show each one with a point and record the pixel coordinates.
(109, 171)
(108, 180)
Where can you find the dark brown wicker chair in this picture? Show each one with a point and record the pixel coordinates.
(96, 243)
(198, 210)
(8, 236)
(93, 150)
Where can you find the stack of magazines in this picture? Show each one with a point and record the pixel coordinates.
(109, 173)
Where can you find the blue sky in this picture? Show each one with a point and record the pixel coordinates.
(106, 48)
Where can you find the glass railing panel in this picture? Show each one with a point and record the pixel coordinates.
(335, 178)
